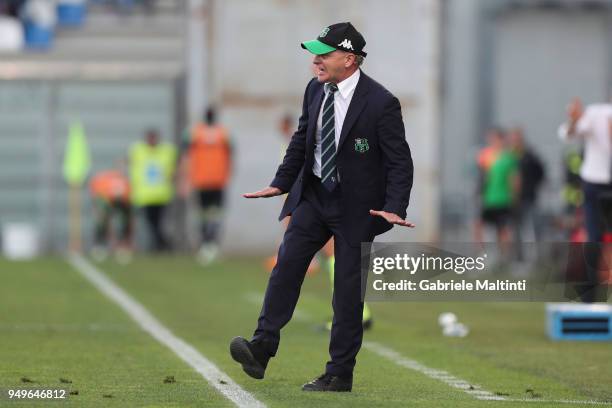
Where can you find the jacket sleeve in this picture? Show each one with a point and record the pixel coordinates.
(397, 158)
(295, 155)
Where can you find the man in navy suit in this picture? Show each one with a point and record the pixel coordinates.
(348, 171)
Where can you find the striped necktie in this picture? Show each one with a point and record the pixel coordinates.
(328, 142)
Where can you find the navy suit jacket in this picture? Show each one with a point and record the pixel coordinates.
(373, 159)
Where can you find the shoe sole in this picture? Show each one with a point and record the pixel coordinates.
(242, 354)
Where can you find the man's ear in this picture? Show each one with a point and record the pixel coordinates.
(349, 61)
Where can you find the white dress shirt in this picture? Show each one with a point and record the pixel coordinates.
(342, 100)
(595, 128)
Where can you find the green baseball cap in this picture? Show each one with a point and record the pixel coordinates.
(341, 36)
(317, 47)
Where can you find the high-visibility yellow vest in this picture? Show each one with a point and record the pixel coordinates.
(151, 172)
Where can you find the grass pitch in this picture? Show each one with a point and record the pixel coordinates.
(58, 331)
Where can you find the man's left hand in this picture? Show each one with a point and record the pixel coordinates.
(392, 218)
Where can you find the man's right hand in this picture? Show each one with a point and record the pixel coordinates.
(575, 110)
(265, 193)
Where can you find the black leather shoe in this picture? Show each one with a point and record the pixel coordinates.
(328, 382)
(253, 357)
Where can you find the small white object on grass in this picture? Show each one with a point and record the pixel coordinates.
(447, 319)
(207, 254)
(456, 330)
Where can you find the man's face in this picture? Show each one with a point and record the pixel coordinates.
(333, 66)
(515, 140)
(152, 138)
(495, 139)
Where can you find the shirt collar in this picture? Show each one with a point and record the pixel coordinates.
(346, 86)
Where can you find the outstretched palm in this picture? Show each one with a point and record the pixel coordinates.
(392, 218)
(265, 193)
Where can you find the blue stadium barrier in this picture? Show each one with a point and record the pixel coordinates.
(577, 321)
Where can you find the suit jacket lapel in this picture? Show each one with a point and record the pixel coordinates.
(358, 102)
(313, 114)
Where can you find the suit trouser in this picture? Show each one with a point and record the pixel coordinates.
(316, 218)
(596, 225)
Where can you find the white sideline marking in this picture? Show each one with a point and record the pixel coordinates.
(67, 327)
(474, 390)
(561, 401)
(161, 333)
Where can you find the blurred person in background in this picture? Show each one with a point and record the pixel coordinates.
(592, 126)
(572, 189)
(497, 189)
(572, 220)
(330, 263)
(350, 137)
(152, 169)
(531, 176)
(286, 129)
(110, 192)
(206, 163)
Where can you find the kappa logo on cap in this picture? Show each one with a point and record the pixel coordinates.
(324, 32)
(346, 44)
